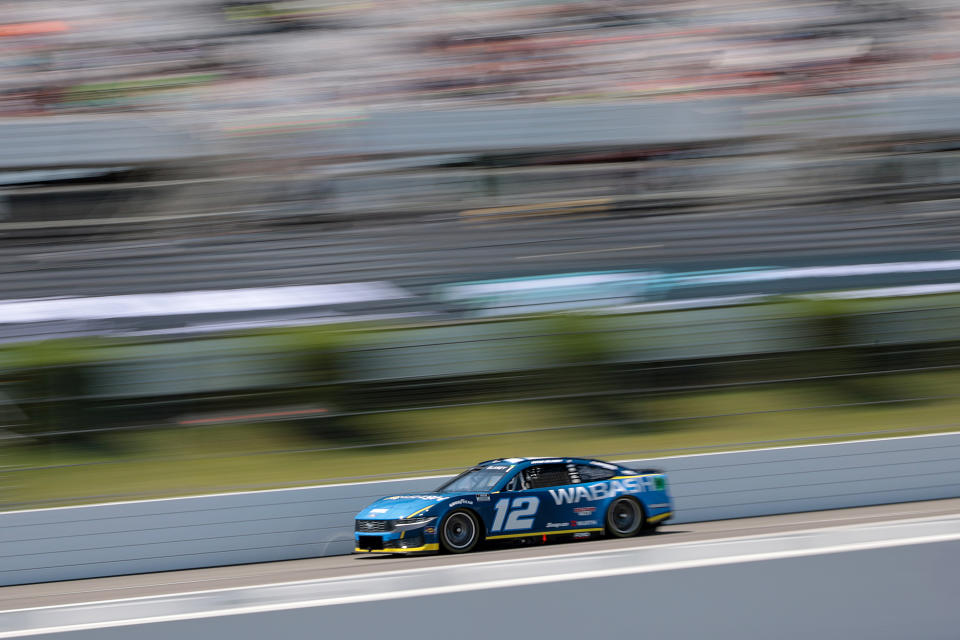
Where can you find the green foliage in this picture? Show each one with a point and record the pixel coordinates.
(233, 457)
(577, 359)
(31, 355)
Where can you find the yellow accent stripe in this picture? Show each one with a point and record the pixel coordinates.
(542, 533)
(659, 517)
(427, 547)
(418, 511)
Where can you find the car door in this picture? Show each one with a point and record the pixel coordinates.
(586, 506)
(528, 505)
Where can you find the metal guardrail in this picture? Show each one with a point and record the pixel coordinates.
(474, 200)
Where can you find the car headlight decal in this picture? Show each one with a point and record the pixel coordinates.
(410, 523)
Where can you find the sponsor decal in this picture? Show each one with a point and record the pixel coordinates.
(659, 483)
(601, 490)
(430, 530)
(483, 497)
(555, 525)
(582, 534)
(585, 523)
(659, 505)
(499, 467)
(461, 501)
(584, 511)
(438, 498)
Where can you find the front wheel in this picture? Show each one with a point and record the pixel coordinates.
(624, 518)
(459, 532)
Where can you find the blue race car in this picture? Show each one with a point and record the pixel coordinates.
(517, 498)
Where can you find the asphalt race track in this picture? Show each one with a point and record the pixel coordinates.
(177, 582)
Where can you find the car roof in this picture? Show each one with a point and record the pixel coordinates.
(540, 460)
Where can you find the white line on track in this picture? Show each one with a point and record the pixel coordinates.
(510, 561)
(551, 553)
(508, 582)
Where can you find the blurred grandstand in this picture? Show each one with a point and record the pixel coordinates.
(172, 105)
(176, 55)
(184, 123)
(177, 171)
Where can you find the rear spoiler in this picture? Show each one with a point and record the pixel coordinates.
(646, 470)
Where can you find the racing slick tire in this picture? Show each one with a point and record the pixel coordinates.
(625, 517)
(459, 532)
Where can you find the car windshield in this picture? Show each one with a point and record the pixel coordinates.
(476, 479)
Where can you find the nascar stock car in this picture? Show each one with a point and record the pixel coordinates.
(517, 498)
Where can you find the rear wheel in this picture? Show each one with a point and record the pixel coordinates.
(459, 532)
(624, 518)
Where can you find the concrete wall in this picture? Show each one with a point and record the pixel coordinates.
(813, 477)
(160, 535)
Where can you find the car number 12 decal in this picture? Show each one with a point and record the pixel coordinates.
(522, 511)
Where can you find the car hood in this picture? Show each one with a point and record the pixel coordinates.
(402, 506)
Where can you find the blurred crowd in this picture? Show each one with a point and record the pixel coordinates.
(260, 56)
